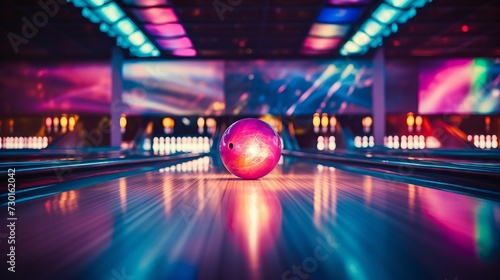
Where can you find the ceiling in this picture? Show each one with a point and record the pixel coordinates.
(254, 29)
(450, 28)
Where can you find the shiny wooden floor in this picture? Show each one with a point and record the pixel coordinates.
(303, 221)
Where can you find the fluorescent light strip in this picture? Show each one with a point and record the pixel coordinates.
(110, 12)
(401, 4)
(137, 38)
(361, 39)
(125, 26)
(386, 14)
(147, 48)
(372, 27)
(352, 47)
(96, 3)
(382, 22)
(114, 22)
(91, 15)
(79, 3)
(184, 52)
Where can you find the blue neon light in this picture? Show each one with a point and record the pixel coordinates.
(110, 12)
(383, 21)
(114, 22)
(137, 38)
(402, 4)
(339, 15)
(125, 26)
(372, 27)
(386, 14)
(361, 39)
(96, 3)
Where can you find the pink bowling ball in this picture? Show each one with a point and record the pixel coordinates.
(250, 148)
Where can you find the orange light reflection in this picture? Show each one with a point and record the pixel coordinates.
(254, 218)
(123, 194)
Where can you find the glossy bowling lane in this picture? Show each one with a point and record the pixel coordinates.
(302, 221)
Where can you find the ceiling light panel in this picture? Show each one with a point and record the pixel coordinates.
(382, 22)
(165, 30)
(114, 22)
(328, 30)
(339, 15)
(155, 15)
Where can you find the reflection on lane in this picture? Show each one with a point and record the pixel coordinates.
(303, 221)
(468, 224)
(253, 216)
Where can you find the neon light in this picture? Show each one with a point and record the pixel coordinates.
(361, 39)
(111, 12)
(386, 14)
(321, 43)
(185, 52)
(402, 4)
(96, 3)
(339, 15)
(372, 27)
(156, 15)
(178, 43)
(328, 30)
(165, 30)
(146, 48)
(137, 38)
(125, 26)
(352, 47)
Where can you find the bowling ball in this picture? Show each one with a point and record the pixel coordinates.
(250, 148)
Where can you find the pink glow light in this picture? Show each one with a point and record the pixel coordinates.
(165, 30)
(185, 52)
(445, 87)
(328, 30)
(454, 214)
(156, 15)
(321, 43)
(179, 43)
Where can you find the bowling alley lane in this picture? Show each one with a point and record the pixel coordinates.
(305, 220)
